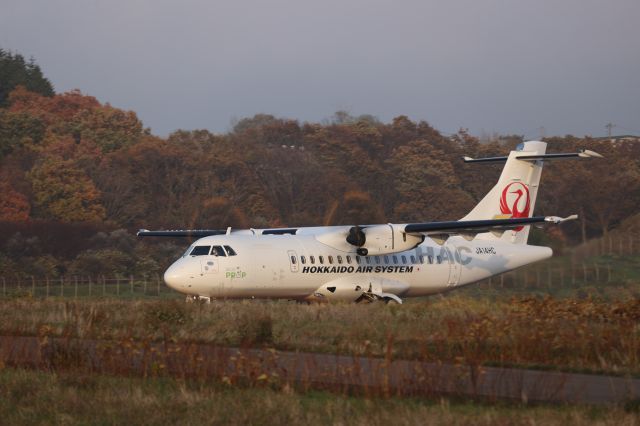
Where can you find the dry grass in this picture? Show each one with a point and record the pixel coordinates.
(28, 397)
(583, 335)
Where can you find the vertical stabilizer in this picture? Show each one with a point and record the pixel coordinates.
(515, 193)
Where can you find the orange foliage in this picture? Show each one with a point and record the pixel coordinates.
(14, 207)
(81, 117)
(63, 192)
(60, 107)
(72, 158)
(219, 210)
(356, 207)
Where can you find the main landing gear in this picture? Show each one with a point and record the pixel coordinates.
(387, 298)
(198, 299)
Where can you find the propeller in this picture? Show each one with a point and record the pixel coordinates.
(356, 236)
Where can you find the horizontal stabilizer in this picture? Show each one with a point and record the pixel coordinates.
(557, 220)
(585, 153)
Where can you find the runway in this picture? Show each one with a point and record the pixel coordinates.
(364, 375)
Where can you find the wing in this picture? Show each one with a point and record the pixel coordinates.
(440, 231)
(196, 233)
(200, 233)
(478, 226)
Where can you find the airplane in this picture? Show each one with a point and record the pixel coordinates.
(380, 262)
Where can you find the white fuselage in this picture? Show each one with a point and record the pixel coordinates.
(302, 267)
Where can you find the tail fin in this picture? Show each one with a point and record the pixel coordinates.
(516, 191)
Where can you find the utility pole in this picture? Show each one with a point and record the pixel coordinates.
(542, 131)
(609, 127)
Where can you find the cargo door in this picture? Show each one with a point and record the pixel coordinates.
(454, 266)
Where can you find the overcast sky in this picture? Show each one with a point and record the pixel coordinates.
(506, 66)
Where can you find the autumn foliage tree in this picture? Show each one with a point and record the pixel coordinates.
(602, 192)
(355, 207)
(14, 206)
(64, 192)
(71, 162)
(427, 185)
(71, 158)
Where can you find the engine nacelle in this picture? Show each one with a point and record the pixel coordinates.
(371, 240)
(387, 239)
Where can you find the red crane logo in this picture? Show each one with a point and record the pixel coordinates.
(515, 201)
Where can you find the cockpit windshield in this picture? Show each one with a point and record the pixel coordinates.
(218, 251)
(200, 250)
(187, 251)
(209, 250)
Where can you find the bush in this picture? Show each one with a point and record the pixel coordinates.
(165, 314)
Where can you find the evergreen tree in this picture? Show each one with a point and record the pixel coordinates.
(14, 71)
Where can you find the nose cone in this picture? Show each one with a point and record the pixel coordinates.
(173, 277)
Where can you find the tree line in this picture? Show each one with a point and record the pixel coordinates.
(91, 174)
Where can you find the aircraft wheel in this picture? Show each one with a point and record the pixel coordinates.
(366, 298)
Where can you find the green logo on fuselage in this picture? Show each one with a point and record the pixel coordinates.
(236, 274)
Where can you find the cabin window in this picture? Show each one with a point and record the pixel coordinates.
(349, 260)
(321, 259)
(386, 260)
(358, 260)
(230, 251)
(404, 259)
(413, 259)
(368, 260)
(293, 260)
(330, 258)
(200, 250)
(395, 259)
(218, 251)
(303, 260)
(312, 260)
(439, 259)
(339, 259)
(377, 260)
(430, 259)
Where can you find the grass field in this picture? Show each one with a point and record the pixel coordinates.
(28, 397)
(588, 326)
(569, 334)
